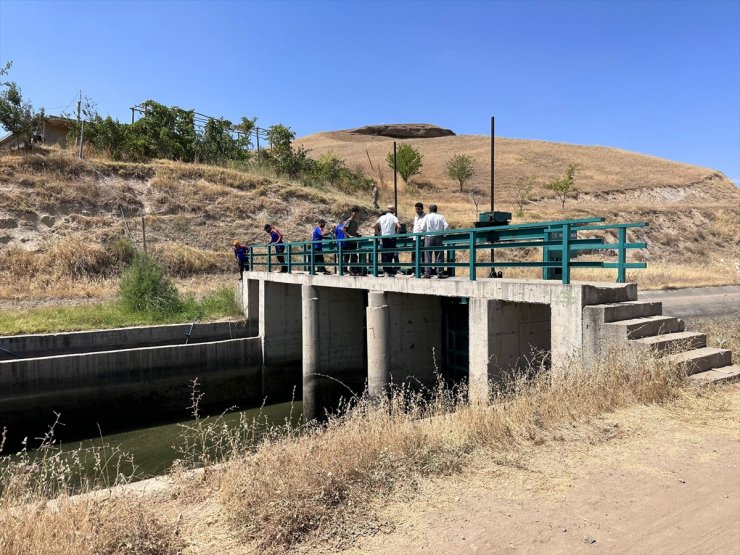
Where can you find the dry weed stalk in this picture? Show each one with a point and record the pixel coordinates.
(319, 485)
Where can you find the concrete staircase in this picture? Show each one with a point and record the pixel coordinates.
(641, 325)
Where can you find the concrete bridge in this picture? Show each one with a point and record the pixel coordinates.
(343, 331)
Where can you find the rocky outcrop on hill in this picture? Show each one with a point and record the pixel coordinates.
(404, 131)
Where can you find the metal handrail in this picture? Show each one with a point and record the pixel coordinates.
(554, 236)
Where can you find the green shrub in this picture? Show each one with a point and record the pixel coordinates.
(146, 288)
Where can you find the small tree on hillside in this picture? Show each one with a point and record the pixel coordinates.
(523, 194)
(460, 168)
(408, 161)
(564, 186)
(329, 167)
(16, 114)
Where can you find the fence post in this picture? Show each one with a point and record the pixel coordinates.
(269, 258)
(417, 256)
(622, 256)
(288, 253)
(566, 254)
(471, 262)
(311, 268)
(375, 257)
(340, 262)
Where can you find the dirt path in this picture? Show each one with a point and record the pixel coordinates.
(650, 480)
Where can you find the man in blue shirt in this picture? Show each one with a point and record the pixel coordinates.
(241, 253)
(276, 238)
(317, 237)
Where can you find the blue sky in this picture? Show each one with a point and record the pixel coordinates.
(656, 77)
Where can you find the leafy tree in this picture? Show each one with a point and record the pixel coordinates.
(564, 186)
(245, 129)
(330, 167)
(408, 161)
(522, 194)
(284, 159)
(460, 168)
(16, 114)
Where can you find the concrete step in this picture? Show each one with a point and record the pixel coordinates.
(636, 328)
(679, 341)
(717, 375)
(613, 312)
(699, 360)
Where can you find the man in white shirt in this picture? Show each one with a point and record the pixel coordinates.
(418, 228)
(388, 224)
(434, 222)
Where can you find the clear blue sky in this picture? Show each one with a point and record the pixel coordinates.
(656, 77)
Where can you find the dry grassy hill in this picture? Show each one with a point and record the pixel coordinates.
(62, 219)
(694, 212)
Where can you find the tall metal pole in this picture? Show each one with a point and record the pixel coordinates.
(395, 180)
(493, 251)
(492, 172)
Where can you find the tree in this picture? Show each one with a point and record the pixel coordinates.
(329, 167)
(16, 114)
(460, 168)
(523, 194)
(408, 161)
(284, 159)
(564, 186)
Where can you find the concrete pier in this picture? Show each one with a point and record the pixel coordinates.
(378, 344)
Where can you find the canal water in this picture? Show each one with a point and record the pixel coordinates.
(154, 448)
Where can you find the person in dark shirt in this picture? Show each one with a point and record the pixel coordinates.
(317, 237)
(241, 253)
(276, 238)
(351, 226)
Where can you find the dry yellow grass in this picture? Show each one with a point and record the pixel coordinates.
(323, 487)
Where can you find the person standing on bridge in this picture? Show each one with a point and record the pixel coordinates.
(388, 224)
(351, 230)
(276, 238)
(418, 228)
(241, 253)
(435, 223)
(317, 237)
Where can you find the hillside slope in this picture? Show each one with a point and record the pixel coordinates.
(62, 218)
(693, 212)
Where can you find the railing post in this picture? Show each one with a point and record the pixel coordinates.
(471, 249)
(269, 258)
(251, 258)
(288, 252)
(340, 262)
(566, 254)
(375, 257)
(622, 256)
(311, 267)
(417, 255)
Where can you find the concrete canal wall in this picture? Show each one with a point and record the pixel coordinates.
(66, 343)
(125, 387)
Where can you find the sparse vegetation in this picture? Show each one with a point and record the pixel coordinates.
(522, 195)
(408, 161)
(265, 493)
(114, 314)
(565, 186)
(460, 168)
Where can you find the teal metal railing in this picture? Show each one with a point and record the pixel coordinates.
(364, 255)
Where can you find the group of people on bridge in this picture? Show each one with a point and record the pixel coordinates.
(385, 227)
